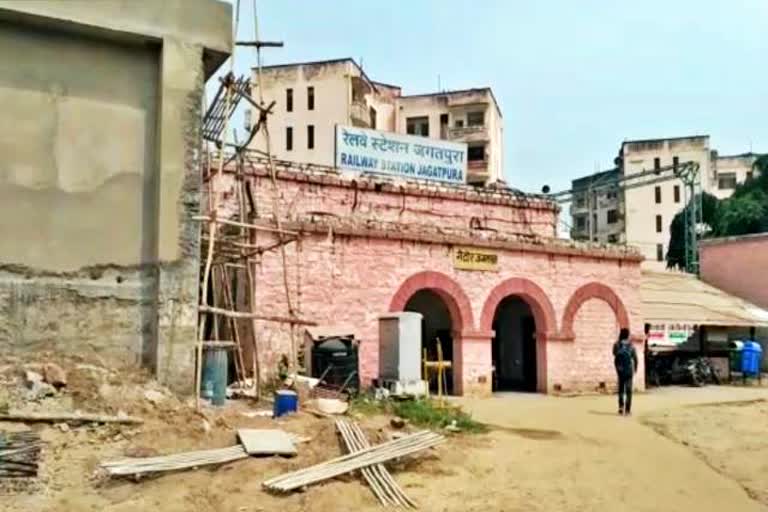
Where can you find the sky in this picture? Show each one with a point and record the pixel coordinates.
(573, 78)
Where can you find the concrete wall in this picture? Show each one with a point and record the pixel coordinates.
(737, 265)
(101, 175)
(351, 277)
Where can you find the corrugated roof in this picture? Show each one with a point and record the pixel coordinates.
(674, 297)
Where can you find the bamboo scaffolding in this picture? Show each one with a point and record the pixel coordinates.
(381, 482)
(226, 248)
(354, 461)
(209, 218)
(255, 316)
(139, 466)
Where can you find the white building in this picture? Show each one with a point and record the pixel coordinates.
(311, 98)
(641, 216)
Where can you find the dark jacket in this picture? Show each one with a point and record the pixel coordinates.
(616, 347)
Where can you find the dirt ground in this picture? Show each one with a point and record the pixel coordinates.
(685, 449)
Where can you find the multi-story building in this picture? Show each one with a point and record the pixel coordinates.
(598, 210)
(311, 98)
(606, 210)
(730, 170)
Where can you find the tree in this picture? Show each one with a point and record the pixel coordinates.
(745, 212)
(676, 251)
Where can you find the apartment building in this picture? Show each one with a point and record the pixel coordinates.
(607, 212)
(311, 98)
(598, 211)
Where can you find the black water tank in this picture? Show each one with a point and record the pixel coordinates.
(337, 359)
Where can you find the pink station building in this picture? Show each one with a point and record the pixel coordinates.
(540, 313)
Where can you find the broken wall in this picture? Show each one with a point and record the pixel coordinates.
(100, 177)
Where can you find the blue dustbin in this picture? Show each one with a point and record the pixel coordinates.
(751, 357)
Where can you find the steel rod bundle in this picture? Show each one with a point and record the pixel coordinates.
(381, 482)
(354, 461)
(19, 454)
(134, 466)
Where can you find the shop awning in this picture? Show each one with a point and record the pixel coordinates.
(675, 297)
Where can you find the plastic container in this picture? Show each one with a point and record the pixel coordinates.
(735, 355)
(286, 402)
(751, 357)
(213, 385)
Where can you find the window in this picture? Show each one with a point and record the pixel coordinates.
(657, 163)
(581, 222)
(659, 252)
(310, 98)
(658, 224)
(475, 118)
(289, 100)
(581, 201)
(677, 193)
(675, 161)
(726, 180)
(613, 239)
(750, 175)
(657, 193)
(611, 195)
(459, 123)
(443, 126)
(417, 126)
(289, 138)
(372, 115)
(311, 136)
(475, 153)
(612, 216)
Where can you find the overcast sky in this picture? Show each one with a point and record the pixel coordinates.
(573, 78)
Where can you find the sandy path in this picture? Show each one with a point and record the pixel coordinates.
(607, 462)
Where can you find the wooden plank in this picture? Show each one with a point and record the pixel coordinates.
(23, 417)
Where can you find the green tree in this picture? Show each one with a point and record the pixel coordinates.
(676, 249)
(745, 212)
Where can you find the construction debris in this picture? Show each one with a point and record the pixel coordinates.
(59, 417)
(380, 481)
(54, 375)
(331, 406)
(397, 422)
(367, 457)
(19, 454)
(266, 442)
(143, 466)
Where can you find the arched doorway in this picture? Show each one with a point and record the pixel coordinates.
(436, 327)
(514, 346)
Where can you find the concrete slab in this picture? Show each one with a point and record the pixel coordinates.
(266, 442)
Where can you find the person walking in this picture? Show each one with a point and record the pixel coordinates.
(625, 361)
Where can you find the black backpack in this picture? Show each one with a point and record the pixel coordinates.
(623, 359)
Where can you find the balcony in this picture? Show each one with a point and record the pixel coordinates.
(475, 133)
(359, 114)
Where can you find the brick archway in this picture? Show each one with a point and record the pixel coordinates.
(446, 288)
(543, 315)
(460, 309)
(592, 291)
(531, 293)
